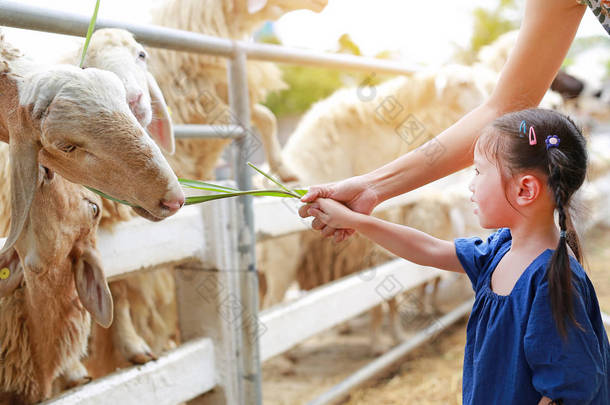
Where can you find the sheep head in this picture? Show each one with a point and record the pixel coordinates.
(117, 51)
(59, 242)
(77, 122)
(464, 87)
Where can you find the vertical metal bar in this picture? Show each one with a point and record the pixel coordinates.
(242, 148)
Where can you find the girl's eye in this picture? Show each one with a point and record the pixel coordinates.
(142, 55)
(476, 171)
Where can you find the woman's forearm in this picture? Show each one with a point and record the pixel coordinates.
(447, 153)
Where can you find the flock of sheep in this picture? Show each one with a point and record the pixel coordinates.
(62, 125)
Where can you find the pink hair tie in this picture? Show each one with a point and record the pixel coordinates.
(532, 136)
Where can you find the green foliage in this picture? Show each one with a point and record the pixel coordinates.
(488, 25)
(347, 45)
(308, 84)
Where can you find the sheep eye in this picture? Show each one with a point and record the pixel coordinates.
(142, 55)
(67, 148)
(95, 209)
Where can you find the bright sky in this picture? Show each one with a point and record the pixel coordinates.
(421, 31)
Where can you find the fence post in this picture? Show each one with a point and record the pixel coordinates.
(209, 302)
(242, 148)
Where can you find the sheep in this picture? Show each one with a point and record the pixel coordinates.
(77, 122)
(55, 281)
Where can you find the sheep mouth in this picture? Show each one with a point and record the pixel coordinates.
(147, 214)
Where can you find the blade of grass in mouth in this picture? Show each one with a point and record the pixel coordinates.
(222, 191)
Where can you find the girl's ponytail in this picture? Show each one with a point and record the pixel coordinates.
(559, 274)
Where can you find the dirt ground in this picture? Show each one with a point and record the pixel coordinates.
(432, 374)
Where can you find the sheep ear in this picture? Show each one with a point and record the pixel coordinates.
(254, 6)
(160, 128)
(24, 181)
(92, 288)
(11, 273)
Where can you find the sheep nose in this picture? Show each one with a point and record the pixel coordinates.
(173, 204)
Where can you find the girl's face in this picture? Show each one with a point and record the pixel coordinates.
(488, 194)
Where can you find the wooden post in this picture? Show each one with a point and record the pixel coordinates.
(208, 299)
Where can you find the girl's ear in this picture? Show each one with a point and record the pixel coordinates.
(528, 188)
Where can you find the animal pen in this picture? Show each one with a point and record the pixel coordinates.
(225, 336)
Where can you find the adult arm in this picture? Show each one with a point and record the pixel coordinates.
(546, 33)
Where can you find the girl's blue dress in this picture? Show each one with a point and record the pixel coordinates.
(514, 353)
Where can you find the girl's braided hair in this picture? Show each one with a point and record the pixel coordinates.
(565, 168)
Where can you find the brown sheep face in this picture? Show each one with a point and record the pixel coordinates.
(89, 136)
(59, 241)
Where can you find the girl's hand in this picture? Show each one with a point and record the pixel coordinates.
(332, 214)
(355, 193)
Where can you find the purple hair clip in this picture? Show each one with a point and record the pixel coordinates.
(532, 136)
(552, 141)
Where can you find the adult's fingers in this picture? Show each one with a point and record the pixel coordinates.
(316, 192)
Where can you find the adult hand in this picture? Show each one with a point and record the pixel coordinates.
(355, 192)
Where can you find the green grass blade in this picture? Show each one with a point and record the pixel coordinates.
(110, 198)
(90, 32)
(280, 185)
(206, 186)
(259, 193)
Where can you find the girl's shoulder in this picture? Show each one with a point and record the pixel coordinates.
(580, 279)
(477, 256)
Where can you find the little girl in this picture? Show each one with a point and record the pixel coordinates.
(535, 334)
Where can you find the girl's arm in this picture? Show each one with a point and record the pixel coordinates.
(411, 244)
(545, 401)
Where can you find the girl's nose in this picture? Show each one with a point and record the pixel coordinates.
(471, 185)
